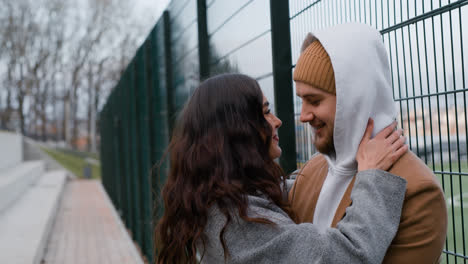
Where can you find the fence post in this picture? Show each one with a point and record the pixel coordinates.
(150, 75)
(128, 149)
(143, 148)
(117, 179)
(203, 41)
(123, 146)
(103, 144)
(282, 79)
(136, 153)
(157, 95)
(168, 63)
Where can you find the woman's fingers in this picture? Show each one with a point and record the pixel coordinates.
(400, 152)
(382, 151)
(387, 131)
(398, 143)
(394, 136)
(399, 149)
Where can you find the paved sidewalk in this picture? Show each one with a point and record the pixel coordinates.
(87, 229)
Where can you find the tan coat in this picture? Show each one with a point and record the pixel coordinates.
(423, 225)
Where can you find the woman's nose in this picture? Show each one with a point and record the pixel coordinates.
(278, 122)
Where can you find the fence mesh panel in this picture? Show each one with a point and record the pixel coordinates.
(425, 41)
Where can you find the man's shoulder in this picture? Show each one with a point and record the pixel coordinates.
(414, 171)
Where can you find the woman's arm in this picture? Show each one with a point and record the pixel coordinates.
(363, 236)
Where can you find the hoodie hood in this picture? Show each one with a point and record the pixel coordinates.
(363, 88)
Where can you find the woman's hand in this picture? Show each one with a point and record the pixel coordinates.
(381, 151)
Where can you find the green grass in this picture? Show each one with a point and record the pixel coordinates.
(81, 154)
(74, 163)
(455, 189)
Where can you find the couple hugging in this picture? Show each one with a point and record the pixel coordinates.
(364, 198)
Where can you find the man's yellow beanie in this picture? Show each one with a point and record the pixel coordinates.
(314, 68)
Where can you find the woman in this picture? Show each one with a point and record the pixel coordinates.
(224, 198)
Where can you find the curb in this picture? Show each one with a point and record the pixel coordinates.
(50, 223)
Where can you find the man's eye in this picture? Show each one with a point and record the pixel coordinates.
(315, 102)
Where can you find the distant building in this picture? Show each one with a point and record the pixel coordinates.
(446, 122)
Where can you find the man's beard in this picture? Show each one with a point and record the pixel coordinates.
(324, 144)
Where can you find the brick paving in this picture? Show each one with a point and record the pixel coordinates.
(86, 229)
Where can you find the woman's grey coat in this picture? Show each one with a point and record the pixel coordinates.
(363, 236)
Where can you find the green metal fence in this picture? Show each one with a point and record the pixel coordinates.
(195, 39)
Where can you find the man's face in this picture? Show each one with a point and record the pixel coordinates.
(318, 109)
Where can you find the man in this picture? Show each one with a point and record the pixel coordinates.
(343, 78)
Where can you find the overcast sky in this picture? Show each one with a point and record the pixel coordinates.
(155, 7)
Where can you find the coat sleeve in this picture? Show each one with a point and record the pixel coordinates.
(363, 236)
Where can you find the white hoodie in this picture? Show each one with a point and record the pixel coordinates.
(363, 90)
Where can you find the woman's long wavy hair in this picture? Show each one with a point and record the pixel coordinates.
(219, 154)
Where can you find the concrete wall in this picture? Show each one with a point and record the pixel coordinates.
(11, 149)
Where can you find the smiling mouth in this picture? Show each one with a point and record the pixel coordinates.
(318, 128)
(275, 137)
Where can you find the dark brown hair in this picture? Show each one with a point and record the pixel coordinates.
(219, 154)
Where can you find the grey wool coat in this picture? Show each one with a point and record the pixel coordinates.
(363, 235)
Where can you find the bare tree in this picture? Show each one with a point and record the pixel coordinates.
(20, 44)
(62, 59)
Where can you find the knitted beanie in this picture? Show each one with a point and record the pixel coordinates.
(314, 68)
